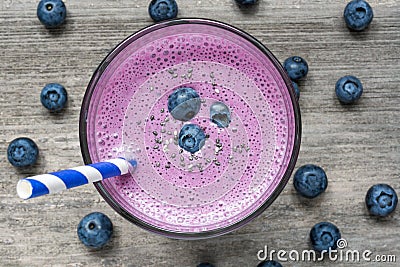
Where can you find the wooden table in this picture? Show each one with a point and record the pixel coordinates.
(357, 145)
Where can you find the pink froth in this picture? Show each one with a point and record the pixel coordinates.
(172, 190)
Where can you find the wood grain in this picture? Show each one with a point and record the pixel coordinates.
(357, 145)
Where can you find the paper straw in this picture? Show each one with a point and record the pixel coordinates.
(55, 182)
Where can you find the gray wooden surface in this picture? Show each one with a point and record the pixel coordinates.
(357, 145)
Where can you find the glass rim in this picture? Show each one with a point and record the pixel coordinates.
(86, 104)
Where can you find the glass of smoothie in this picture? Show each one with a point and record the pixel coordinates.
(242, 165)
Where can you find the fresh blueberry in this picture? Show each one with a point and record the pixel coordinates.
(296, 67)
(205, 264)
(324, 235)
(296, 90)
(220, 114)
(95, 230)
(381, 200)
(191, 138)
(54, 97)
(310, 181)
(358, 15)
(163, 9)
(348, 89)
(184, 104)
(22, 152)
(246, 2)
(269, 264)
(51, 13)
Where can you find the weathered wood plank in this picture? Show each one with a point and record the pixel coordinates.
(357, 145)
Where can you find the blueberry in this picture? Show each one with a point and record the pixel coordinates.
(246, 2)
(381, 200)
(22, 152)
(54, 97)
(95, 230)
(191, 138)
(205, 264)
(296, 90)
(324, 235)
(269, 264)
(310, 181)
(296, 67)
(220, 114)
(184, 104)
(51, 13)
(348, 89)
(163, 9)
(358, 15)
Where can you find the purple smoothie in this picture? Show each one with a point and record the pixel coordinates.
(240, 169)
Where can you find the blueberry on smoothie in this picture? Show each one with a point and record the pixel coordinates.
(324, 236)
(160, 10)
(22, 152)
(381, 200)
(246, 2)
(296, 90)
(348, 89)
(51, 13)
(296, 67)
(270, 263)
(95, 230)
(54, 97)
(220, 114)
(184, 103)
(205, 264)
(191, 138)
(310, 181)
(358, 15)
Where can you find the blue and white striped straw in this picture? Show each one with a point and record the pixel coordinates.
(55, 182)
